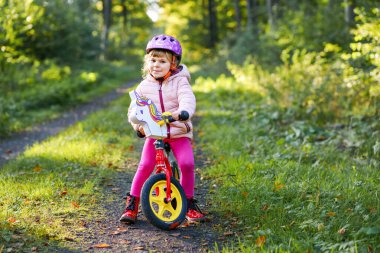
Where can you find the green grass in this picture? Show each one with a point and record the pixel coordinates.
(51, 190)
(286, 185)
(50, 89)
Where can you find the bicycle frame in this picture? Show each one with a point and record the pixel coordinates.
(163, 165)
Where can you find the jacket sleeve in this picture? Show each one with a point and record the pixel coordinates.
(186, 97)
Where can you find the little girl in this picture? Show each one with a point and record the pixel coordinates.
(167, 84)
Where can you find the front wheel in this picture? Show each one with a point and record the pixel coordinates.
(162, 214)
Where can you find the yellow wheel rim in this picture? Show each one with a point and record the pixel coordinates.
(167, 212)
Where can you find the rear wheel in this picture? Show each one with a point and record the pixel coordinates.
(161, 213)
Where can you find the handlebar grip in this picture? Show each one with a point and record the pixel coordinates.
(184, 115)
(170, 119)
(139, 134)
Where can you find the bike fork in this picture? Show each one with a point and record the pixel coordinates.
(162, 165)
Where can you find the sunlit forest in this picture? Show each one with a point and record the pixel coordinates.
(288, 102)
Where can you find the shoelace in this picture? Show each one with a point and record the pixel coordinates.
(131, 204)
(193, 205)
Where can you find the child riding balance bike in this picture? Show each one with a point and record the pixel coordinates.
(167, 85)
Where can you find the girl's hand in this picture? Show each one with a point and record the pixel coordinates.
(141, 130)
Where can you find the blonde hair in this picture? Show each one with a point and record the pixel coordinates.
(157, 53)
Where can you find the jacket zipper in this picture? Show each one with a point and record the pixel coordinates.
(163, 107)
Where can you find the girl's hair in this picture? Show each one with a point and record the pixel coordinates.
(158, 53)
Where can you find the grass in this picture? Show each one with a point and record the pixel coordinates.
(52, 89)
(286, 185)
(50, 191)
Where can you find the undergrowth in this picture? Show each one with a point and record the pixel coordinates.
(287, 184)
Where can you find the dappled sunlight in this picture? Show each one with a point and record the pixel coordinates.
(64, 147)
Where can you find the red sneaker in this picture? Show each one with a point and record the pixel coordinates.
(194, 213)
(131, 210)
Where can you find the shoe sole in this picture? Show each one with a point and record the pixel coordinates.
(195, 219)
(126, 220)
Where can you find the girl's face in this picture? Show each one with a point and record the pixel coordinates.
(159, 66)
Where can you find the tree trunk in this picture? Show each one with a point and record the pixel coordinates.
(249, 14)
(238, 15)
(213, 26)
(349, 15)
(107, 7)
(125, 22)
(270, 14)
(252, 16)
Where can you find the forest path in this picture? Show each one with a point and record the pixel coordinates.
(106, 230)
(17, 143)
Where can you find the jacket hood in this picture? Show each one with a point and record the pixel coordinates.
(183, 72)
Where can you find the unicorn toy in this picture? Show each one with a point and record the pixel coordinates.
(144, 112)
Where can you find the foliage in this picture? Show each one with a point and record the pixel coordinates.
(286, 184)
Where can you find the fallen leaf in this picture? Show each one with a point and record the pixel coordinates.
(278, 186)
(37, 168)
(228, 233)
(12, 220)
(16, 237)
(122, 229)
(175, 234)
(331, 214)
(265, 207)
(102, 246)
(131, 148)
(63, 193)
(34, 249)
(342, 231)
(186, 237)
(260, 241)
(139, 248)
(75, 204)
(245, 194)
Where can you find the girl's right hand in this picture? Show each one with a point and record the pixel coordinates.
(141, 130)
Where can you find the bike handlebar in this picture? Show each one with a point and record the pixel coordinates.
(183, 116)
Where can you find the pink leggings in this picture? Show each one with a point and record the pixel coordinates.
(183, 152)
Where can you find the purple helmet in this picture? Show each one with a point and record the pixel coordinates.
(165, 42)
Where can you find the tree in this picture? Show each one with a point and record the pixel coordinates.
(349, 15)
(213, 23)
(237, 14)
(107, 11)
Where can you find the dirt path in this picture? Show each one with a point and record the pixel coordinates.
(17, 143)
(106, 229)
(142, 236)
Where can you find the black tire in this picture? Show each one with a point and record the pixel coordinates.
(153, 195)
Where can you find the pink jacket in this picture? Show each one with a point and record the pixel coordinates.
(174, 95)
